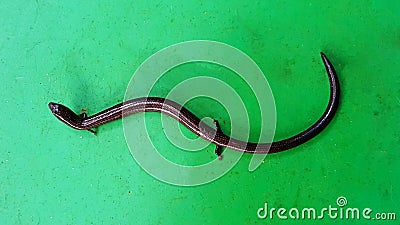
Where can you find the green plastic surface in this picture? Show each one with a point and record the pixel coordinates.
(83, 54)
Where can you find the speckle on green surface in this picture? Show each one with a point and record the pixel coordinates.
(83, 54)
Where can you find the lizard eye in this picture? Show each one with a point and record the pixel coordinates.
(53, 107)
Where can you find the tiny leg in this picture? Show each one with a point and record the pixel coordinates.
(217, 126)
(83, 114)
(218, 148)
(92, 131)
(218, 152)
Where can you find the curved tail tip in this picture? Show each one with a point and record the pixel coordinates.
(325, 60)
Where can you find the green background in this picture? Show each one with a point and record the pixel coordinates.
(83, 54)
